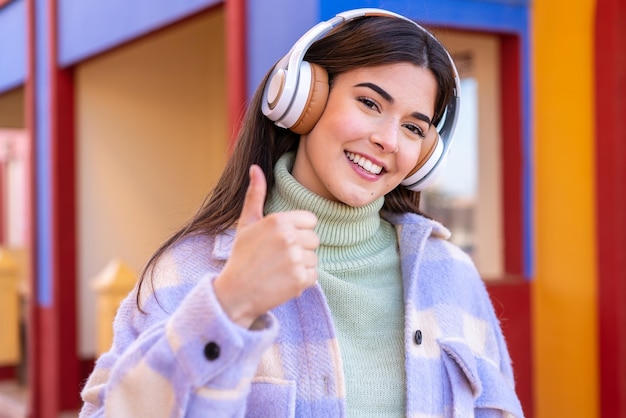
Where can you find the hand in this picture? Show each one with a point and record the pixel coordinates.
(273, 258)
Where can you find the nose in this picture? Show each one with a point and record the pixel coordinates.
(385, 136)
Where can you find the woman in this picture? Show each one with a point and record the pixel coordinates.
(309, 284)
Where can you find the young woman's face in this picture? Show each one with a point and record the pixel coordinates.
(370, 134)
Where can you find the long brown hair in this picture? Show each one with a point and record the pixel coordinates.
(362, 42)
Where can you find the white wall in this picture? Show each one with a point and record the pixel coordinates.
(151, 141)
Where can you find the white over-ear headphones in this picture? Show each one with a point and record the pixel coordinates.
(295, 95)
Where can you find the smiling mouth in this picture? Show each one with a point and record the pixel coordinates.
(364, 163)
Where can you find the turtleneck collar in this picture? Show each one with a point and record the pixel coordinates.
(338, 224)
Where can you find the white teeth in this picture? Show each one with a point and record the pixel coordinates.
(364, 163)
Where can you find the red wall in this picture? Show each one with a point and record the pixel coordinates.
(610, 65)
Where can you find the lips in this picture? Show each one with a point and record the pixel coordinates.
(364, 163)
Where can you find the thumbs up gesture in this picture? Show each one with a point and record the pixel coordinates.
(273, 258)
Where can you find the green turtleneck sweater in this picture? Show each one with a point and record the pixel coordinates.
(359, 272)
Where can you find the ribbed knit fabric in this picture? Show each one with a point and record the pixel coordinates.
(359, 271)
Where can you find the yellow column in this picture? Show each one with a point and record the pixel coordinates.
(112, 285)
(9, 311)
(564, 290)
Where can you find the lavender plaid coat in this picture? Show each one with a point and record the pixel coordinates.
(187, 359)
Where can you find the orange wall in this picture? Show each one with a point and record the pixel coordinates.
(564, 289)
(12, 109)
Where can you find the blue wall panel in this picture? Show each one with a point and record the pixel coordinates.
(484, 15)
(90, 27)
(13, 45)
(43, 157)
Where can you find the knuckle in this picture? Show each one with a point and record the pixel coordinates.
(294, 256)
(286, 239)
(273, 219)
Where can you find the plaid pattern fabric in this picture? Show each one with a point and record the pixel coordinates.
(290, 365)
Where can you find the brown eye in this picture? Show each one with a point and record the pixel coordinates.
(415, 130)
(369, 103)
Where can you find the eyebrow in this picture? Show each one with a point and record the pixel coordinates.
(389, 99)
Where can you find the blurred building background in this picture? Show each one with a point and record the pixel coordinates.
(116, 118)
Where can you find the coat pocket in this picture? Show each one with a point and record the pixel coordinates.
(476, 385)
(271, 398)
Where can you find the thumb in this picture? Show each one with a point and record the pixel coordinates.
(252, 210)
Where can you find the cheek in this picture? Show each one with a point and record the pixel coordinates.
(407, 159)
(343, 117)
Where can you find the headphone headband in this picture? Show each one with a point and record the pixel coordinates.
(287, 94)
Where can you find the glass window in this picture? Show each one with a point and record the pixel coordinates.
(466, 197)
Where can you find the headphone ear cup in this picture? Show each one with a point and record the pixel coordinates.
(315, 102)
(429, 145)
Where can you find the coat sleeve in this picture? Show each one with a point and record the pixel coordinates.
(183, 358)
(476, 358)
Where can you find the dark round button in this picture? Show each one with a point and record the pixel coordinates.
(211, 351)
(418, 337)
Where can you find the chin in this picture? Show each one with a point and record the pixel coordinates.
(356, 201)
